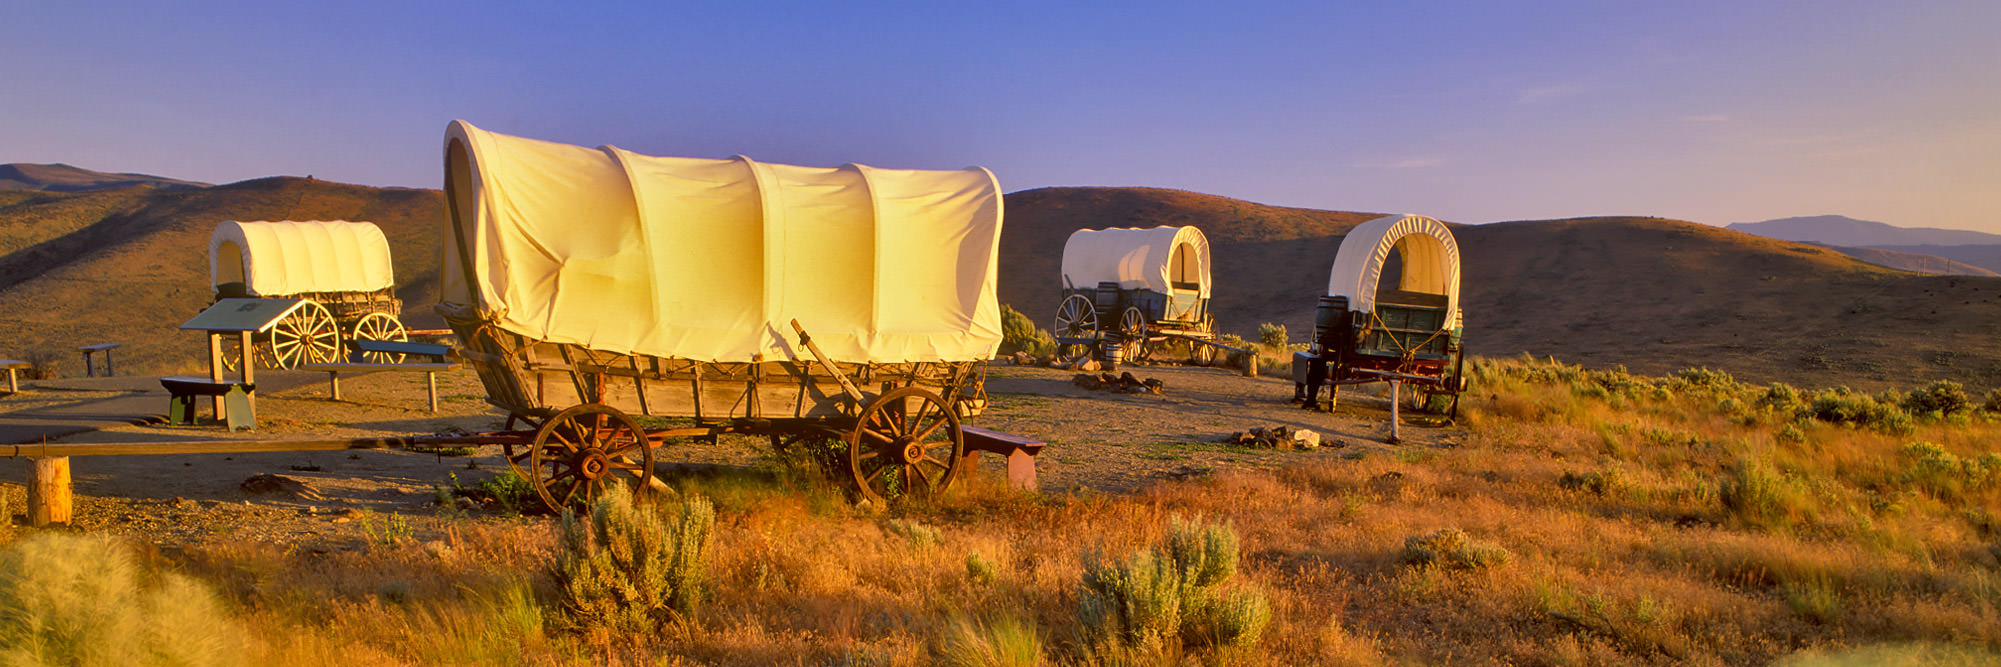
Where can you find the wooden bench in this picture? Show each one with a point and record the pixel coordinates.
(235, 399)
(89, 369)
(1020, 452)
(12, 366)
(430, 372)
(436, 352)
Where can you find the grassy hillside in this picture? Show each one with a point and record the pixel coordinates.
(1653, 294)
(65, 178)
(130, 265)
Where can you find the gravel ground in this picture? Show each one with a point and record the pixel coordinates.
(1104, 441)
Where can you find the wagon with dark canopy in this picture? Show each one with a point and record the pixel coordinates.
(1405, 329)
(1134, 287)
(339, 269)
(594, 287)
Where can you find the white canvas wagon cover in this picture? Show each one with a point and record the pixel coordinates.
(709, 260)
(1155, 259)
(289, 257)
(1429, 254)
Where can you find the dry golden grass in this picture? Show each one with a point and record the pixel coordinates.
(1607, 493)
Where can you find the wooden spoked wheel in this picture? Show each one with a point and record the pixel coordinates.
(378, 326)
(1132, 334)
(307, 336)
(1076, 318)
(906, 444)
(260, 353)
(1201, 354)
(581, 451)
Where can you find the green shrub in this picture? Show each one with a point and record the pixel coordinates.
(1761, 496)
(917, 534)
(1171, 596)
(1844, 406)
(1943, 398)
(1815, 600)
(630, 566)
(1992, 403)
(1008, 642)
(512, 492)
(979, 570)
(1937, 472)
(1019, 334)
(1597, 483)
(1272, 335)
(1453, 548)
(72, 600)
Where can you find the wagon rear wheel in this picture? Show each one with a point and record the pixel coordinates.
(307, 336)
(581, 451)
(1201, 354)
(1132, 334)
(1076, 318)
(378, 326)
(906, 444)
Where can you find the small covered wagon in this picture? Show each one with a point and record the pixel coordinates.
(340, 269)
(1406, 330)
(1134, 287)
(593, 287)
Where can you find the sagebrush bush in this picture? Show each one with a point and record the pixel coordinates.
(1272, 335)
(979, 570)
(1453, 548)
(1171, 596)
(74, 600)
(1943, 398)
(1019, 334)
(631, 566)
(1762, 497)
(1597, 483)
(1944, 476)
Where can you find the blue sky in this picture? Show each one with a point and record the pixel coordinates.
(1715, 112)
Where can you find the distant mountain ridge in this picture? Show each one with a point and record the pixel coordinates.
(65, 178)
(1837, 230)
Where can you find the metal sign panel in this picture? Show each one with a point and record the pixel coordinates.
(255, 315)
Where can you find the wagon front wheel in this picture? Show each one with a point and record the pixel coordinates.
(583, 450)
(906, 444)
(1132, 334)
(307, 336)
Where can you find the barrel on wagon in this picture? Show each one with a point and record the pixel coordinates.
(1407, 329)
(1136, 288)
(852, 304)
(341, 270)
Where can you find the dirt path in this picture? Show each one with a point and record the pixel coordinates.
(1097, 440)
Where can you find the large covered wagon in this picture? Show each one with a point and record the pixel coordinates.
(1135, 287)
(340, 269)
(1405, 330)
(592, 285)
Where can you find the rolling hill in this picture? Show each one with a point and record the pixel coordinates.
(1656, 295)
(1916, 262)
(1845, 231)
(65, 178)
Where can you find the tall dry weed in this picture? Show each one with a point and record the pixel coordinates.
(78, 600)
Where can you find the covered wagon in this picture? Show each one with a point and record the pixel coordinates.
(1406, 329)
(1133, 287)
(340, 269)
(592, 285)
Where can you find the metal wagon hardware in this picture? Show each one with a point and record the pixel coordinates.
(592, 287)
(341, 269)
(1134, 287)
(1406, 331)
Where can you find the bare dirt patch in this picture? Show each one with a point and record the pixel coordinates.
(1099, 441)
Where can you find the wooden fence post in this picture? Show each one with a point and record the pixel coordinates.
(49, 498)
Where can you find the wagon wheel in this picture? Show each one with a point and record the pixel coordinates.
(580, 451)
(1201, 354)
(1132, 334)
(378, 326)
(260, 353)
(906, 444)
(307, 336)
(1076, 318)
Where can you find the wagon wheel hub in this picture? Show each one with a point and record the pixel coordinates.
(592, 463)
(912, 451)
